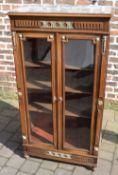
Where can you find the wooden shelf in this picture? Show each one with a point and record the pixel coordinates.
(41, 108)
(73, 68)
(31, 64)
(38, 64)
(79, 115)
(72, 90)
(46, 86)
(48, 64)
(38, 132)
(49, 108)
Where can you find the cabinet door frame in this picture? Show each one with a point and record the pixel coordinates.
(24, 112)
(20, 86)
(103, 73)
(96, 40)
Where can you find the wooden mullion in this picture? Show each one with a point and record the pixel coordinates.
(59, 90)
(53, 63)
(63, 92)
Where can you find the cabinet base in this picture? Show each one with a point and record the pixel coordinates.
(85, 160)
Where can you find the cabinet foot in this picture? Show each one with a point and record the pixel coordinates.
(93, 169)
(26, 156)
(90, 168)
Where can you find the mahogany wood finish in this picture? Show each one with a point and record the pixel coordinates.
(58, 30)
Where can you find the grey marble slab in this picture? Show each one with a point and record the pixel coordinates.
(92, 9)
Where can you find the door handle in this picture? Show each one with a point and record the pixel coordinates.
(100, 104)
(19, 93)
(60, 99)
(54, 99)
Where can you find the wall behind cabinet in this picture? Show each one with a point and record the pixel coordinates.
(7, 70)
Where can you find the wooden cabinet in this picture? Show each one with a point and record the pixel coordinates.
(60, 66)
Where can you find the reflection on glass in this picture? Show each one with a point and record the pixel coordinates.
(38, 82)
(79, 81)
(77, 133)
(79, 63)
(79, 54)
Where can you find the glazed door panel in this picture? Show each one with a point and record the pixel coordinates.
(38, 60)
(80, 72)
(61, 90)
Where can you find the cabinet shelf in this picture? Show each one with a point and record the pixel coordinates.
(36, 87)
(84, 114)
(40, 108)
(37, 64)
(39, 133)
(74, 68)
(47, 85)
(72, 90)
(49, 108)
(46, 64)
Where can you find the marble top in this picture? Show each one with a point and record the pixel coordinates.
(90, 9)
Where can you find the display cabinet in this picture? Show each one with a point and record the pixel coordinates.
(61, 58)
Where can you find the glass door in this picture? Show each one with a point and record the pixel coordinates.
(80, 55)
(38, 59)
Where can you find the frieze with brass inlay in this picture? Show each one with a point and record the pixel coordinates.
(51, 24)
